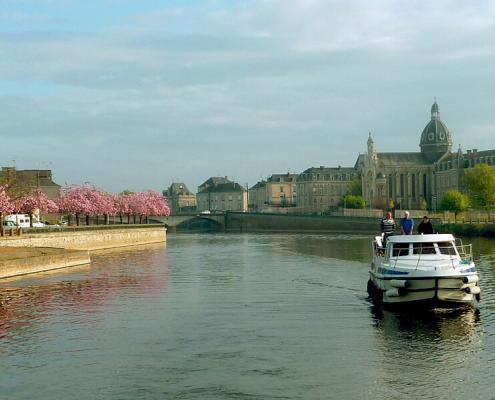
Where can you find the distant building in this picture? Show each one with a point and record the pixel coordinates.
(30, 179)
(257, 198)
(279, 190)
(221, 194)
(409, 180)
(320, 189)
(180, 199)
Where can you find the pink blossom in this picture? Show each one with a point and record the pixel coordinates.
(38, 201)
(5, 203)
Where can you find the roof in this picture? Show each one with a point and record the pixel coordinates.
(224, 187)
(178, 188)
(283, 177)
(215, 180)
(259, 184)
(443, 237)
(324, 170)
(394, 159)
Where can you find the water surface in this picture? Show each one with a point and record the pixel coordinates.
(248, 316)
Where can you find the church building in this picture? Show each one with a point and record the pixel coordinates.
(417, 179)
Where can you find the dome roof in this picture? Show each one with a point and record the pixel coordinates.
(436, 132)
(436, 139)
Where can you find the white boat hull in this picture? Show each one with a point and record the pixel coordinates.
(433, 280)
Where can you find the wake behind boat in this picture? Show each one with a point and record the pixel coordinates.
(429, 270)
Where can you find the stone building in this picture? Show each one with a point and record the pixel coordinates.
(180, 199)
(257, 196)
(415, 179)
(221, 194)
(279, 190)
(28, 179)
(321, 189)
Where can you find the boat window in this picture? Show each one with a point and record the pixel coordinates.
(446, 248)
(400, 249)
(424, 248)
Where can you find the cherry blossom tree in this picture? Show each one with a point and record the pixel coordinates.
(74, 200)
(37, 201)
(6, 207)
(122, 206)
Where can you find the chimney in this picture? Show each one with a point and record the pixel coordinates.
(468, 152)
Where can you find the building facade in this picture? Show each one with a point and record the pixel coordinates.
(180, 199)
(321, 189)
(221, 194)
(257, 196)
(29, 179)
(277, 191)
(281, 190)
(418, 179)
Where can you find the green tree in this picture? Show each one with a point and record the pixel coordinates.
(352, 201)
(391, 204)
(423, 205)
(454, 201)
(355, 187)
(480, 183)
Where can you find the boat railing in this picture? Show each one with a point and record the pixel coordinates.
(465, 252)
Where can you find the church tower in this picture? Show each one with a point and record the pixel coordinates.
(435, 139)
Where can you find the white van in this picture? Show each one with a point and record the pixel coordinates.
(22, 220)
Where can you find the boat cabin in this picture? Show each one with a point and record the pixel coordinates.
(414, 246)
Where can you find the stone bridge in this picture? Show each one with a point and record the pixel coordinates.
(173, 220)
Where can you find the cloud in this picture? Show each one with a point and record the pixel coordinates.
(242, 88)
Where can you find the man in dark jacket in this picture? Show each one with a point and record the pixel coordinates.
(425, 227)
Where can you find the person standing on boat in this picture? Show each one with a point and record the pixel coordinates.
(406, 224)
(425, 227)
(387, 227)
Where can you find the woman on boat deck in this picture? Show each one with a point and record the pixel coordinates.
(406, 224)
(387, 227)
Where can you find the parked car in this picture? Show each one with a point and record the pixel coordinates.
(22, 220)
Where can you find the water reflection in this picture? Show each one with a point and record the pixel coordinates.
(237, 316)
(86, 289)
(442, 324)
(432, 351)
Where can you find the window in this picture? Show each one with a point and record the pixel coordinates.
(400, 249)
(281, 189)
(424, 248)
(446, 248)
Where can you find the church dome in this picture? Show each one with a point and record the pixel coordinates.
(435, 139)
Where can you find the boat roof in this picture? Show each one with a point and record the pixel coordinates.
(442, 237)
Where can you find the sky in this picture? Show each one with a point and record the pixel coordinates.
(135, 95)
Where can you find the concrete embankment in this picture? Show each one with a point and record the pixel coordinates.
(16, 261)
(48, 249)
(258, 222)
(89, 238)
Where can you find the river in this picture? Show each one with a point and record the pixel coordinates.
(238, 316)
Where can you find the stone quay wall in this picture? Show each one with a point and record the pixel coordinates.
(258, 222)
(43, 261)
(89, 238)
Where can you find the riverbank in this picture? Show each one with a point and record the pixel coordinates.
(470, 230)
(90, 238)
(16, 261)
(261, 222)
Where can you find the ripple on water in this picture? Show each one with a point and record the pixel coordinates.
(237, 316)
